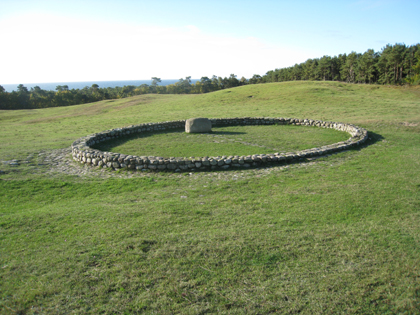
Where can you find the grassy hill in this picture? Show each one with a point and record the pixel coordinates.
(338, 234)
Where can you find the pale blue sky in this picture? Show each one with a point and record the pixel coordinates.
(62, 41)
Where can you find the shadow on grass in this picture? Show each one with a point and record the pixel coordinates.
(225, 133)
(372, 139)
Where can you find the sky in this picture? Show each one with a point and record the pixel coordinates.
(102, 40)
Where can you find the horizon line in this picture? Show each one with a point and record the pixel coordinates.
(85, 81)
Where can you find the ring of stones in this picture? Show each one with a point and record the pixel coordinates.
(83, 153)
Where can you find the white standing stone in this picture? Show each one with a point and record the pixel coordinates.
(197, 125)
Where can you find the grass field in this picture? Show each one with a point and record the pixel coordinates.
(339, 234)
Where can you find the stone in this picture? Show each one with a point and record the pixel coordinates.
(197, 125)
(82, 152)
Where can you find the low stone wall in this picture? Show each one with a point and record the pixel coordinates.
(82, 151)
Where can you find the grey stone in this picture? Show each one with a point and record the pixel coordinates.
(197, 125)
(82, 152)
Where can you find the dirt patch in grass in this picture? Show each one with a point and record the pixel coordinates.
(136, 101)
(409, 124)
(48, 119)
(94, 109)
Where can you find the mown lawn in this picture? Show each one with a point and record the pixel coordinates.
(338, 234)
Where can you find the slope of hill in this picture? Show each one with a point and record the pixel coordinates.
(338, 234)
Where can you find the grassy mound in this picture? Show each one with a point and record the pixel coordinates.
(339, 235)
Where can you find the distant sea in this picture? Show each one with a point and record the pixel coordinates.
(81, 85)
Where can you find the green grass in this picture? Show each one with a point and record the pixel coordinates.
(235, 140)
(338, 235)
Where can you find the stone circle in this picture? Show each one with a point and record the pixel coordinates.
(85, 154)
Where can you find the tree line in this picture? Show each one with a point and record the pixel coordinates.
(63, 96)
(394, 64)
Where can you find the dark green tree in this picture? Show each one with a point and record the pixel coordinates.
(206, 85)
(348, 69)
(232, 81)
(414, 77)
(296, 72)
(61, 88)
(215, 82)
(256, 78)
(23, 96)
(366, 70)
(155, 81)
(324, 68)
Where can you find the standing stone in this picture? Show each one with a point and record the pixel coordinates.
(197, 125)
